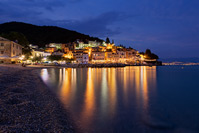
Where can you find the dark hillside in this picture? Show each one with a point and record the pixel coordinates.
(41, 35)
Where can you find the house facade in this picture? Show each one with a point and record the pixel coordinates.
(9, 51)
(98, 56)
(40, 53)
(122, 55)
(85, 58)
(131, 55)
(78, 56)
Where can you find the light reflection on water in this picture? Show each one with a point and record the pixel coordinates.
(110, 99)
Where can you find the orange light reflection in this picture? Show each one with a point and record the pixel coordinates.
(112, 89)
(89, 106)
(66, 86)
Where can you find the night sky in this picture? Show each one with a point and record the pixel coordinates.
(170, 28)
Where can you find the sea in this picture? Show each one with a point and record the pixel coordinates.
(138, 99)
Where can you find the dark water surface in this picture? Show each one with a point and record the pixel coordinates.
(130, 99)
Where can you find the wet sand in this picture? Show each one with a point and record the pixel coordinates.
(26, 104)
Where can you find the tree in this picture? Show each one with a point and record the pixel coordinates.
(68, 60)
(17, 37)
(122, 46)
(55, 58)
(149, 55)
(148, 52)
(142, 53)
(154, 56)
(112, 41)
(27, 52)
(37, 59)
(107, 40)
(77, 44)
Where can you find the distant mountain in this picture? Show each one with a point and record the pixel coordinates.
(41, 35)
(185, 60)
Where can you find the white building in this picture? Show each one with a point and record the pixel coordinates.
(33, 46)
(37, 53)
(58, 53)
(82, 45)
(40, 53)
(56, 45)
(46, 54)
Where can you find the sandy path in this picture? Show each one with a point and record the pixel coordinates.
(26, 104)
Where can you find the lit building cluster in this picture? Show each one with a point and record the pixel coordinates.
(91, 52)
(77, 52)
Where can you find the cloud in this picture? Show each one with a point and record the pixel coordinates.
(37, 4)
(9, 12)
(98, 26)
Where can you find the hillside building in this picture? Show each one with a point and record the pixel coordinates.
(40, 53)
(98, 56)
(9, 51)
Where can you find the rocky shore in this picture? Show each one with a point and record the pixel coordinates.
(27, 105)
(95, 65)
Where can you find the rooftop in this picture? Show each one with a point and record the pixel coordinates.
(3, 39)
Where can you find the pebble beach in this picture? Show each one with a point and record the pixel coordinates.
(27, 105)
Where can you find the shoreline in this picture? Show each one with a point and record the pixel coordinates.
(27, 105)
(85, 66)
(38, 67)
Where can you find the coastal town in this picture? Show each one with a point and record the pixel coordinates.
(99, 66)
(78, 52)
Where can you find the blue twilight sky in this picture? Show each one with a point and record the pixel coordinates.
(168, 27)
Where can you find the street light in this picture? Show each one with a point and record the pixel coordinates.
(22, 57)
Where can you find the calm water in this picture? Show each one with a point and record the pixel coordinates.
(130, 99)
